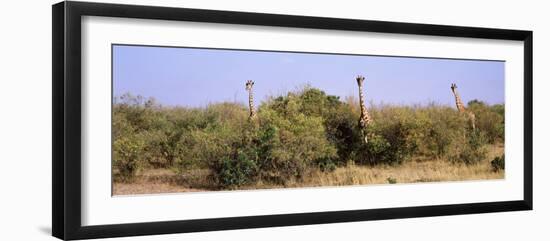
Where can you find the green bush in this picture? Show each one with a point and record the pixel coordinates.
(376, 151)
(489, 120)
(326, 165)
(392, 138)
(237, 171)
(438, 128)
(339, 121)
(343, 133)
(127, 154)
(291, 141)
(242, 166)
(471, 149)
(498, 163)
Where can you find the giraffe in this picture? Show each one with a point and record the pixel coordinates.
(461, 109)
(365, 119)
(249, 85)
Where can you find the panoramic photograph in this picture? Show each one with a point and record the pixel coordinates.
(204, 120)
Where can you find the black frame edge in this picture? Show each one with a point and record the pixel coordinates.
(292, 21)
(72, 116)
(66, 120)
(219, 224)
(58, 78)
(528, 119)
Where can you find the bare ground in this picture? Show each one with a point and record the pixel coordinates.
(167, 181)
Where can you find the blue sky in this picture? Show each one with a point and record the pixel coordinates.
(196, 77)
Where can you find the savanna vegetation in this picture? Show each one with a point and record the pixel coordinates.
(303, 138)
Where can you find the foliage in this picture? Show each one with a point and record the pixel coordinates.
(236, 171)
(292, 135)
(291, 140)
(127, 152)
(489, 120)
(439, 128)
(498, 163)
(326, 165)
(396, 134)
(469, 150)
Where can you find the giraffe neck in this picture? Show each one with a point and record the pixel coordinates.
(251, 103)
(365, 119)
(364, 112)
(459, 104)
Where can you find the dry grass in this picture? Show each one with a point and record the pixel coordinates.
(166, 181)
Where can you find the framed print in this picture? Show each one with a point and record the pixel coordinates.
(171, 120)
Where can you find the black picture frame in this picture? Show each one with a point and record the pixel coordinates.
(66, 127)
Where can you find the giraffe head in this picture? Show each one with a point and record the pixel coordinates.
(360, 79)
(249, 84)
(453, 87)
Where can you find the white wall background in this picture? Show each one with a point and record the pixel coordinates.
(25, 119)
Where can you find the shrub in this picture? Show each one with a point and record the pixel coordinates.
(289, 141)
(242, 166)
(498, 163)
(326, 165)
(343, 133)
(489, 120)
(438, 127)
(156, 149)
(339, 121)
(237, 171)
(315, 102)
(471, 150)
(203, 144)
(391, 138)
(127, 152)
(376, 151)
